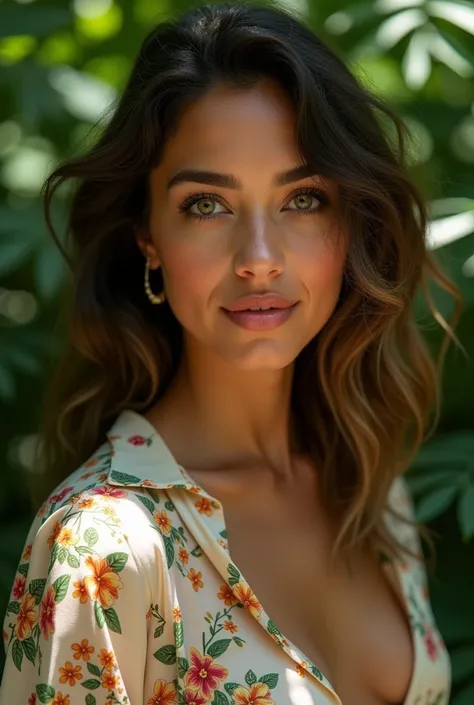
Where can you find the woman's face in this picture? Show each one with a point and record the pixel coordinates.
(234, 229)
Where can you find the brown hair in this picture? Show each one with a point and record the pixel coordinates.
(366, 386)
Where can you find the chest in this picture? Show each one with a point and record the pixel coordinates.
(350, 624)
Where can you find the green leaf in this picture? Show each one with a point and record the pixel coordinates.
(123, 479)
(90, 699)
(112, 620)
(238, 641)
(273, 629)
(178, 634)
(91, 536)
(169, 548)
(183, 666)
(45, 692)
(166, 655)
(54, 555)
(218, 647)
(197, 552)
(17, 653)
(62, 554)
(117, 561)
(23, 569)
(270, 679)
(220, 698)
(99, 615)
(466, 512)
(91, 684)
(250, 677)
(230, 687)
(29, 647)
(84, 550)
(36, 588)
(159, 630)
(232, 570)
(73, 561)
(435, 503)
(13, 607)
(60, 587)
(223, 533)
(169, 505)
(146, 502)
(92, 668)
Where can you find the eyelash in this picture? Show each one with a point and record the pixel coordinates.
(195, 198)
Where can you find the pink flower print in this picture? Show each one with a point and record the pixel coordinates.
(19, 587)
(110, 492)
(137, 440)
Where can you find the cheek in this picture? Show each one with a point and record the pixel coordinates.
(190, 275)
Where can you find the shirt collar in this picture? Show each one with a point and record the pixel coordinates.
(140, 457)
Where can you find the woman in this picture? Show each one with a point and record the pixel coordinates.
(242, 390)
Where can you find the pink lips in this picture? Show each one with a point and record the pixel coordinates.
(277, 311)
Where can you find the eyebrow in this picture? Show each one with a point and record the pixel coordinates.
(213, 178)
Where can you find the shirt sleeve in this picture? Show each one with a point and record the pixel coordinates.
(75, 628)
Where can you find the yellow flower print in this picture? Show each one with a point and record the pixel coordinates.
(163, 521)
(244, 594)
(195, 489)
(26, 618)
(227, 595)
(80, 591)
(54, 534)
(104, 583)
(67, 537)
(204, 506)
(230, 626)
(195, 578)
(257, 694)
(87, 503)
(107, 659)
(164, 693)
(109, 681)
(183, 555)
(300, 669)
(61, 699)
(83, 650)
(177, 614)
(70, 674)
(27, 552)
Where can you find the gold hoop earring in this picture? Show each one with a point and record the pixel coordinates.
(154, 298)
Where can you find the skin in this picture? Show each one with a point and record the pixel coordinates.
(259, 239)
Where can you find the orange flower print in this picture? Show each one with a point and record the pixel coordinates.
(245, 595)
(86, 476)
(19, 587)
(90, 463)
(61, 699)
(183, 555)
(104, 583)
(26, 617)
(164, 693)
(300, 669)
(109, 492)
(87, 503)
(227, 595)
(27, 552)
(192, 697)
(195, 489)
(257, 694)
(48, 612)
(54, 534)
(230, 626)
(163, 521)
(80, 591)
(83, 650)
(177, 614)
(109, 681)
(195, 578)
(204, 506)
(67, 537)
(107, 659)
(204, 675)
(70, 674)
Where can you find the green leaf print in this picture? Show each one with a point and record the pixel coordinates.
(36, 588)
(166, 655)
(60, 587)
(273, 629)
(54, 555)
(220, 698)
(13, 607)
(99, 615)
(250, 677)
(90, 700)
(270, 679)
(169, 505)
(84, 550)
(316, 672)
(23, 569)
(197, 552)
(62, 554)
(223, 533)
(232, 570)
(91, 536)
(45, 692)
(183, 666)
(73, 561)
(169, 548)
(17, 653)
(125, 479)
(218, 647)
(29, 647)
(230, 687)
(238, 641)
(146, 502)
(92, 668)
(112, 620)
(117, 561)
(178, 634)
(91, 684)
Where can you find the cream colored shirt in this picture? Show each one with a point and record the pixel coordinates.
(126, 594)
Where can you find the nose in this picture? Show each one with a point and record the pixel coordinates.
(258, 254)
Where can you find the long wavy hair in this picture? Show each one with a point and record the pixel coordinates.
(366, 388)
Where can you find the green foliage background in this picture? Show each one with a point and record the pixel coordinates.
(63, 63)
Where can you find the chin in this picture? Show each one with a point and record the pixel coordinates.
(260, 355)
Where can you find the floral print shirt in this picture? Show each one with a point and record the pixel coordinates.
(126, 594)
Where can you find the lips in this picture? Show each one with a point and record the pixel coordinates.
(260, 301)
(260, 312)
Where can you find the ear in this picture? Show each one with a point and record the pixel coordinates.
(147, 247)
